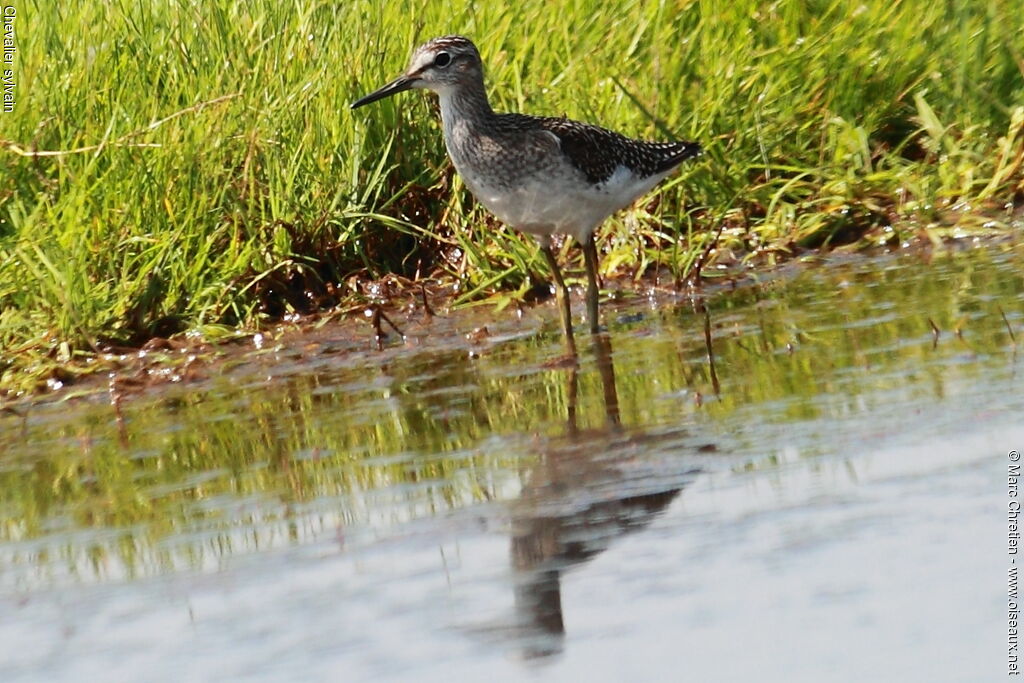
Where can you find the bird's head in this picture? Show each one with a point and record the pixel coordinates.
(442, 64)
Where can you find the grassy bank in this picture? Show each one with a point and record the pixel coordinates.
(192, 166)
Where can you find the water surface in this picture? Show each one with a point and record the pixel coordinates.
(820, 497)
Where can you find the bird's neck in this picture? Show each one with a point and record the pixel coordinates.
(465, 117)
(465, 106)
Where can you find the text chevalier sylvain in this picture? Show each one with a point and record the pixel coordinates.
(9, 49)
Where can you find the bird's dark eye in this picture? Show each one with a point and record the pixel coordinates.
(442, 59)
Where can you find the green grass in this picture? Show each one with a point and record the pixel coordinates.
(193, 166)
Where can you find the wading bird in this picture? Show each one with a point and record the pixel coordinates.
(540, 175)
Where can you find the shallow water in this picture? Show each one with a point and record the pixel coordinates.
(824, 501)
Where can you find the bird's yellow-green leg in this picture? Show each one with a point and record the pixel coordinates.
(563, 298)
(590, 258)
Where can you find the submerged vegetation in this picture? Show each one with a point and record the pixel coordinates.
(188, 166)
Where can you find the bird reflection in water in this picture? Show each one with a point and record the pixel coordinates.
(576, 501)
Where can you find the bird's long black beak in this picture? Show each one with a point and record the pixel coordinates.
(398, 85)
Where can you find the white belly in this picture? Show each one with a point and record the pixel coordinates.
(562, 203)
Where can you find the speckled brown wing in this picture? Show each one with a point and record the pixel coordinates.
(597, 152)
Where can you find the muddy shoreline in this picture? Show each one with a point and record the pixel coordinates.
(422, 314)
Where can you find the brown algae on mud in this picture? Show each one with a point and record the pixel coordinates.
(388, 303)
